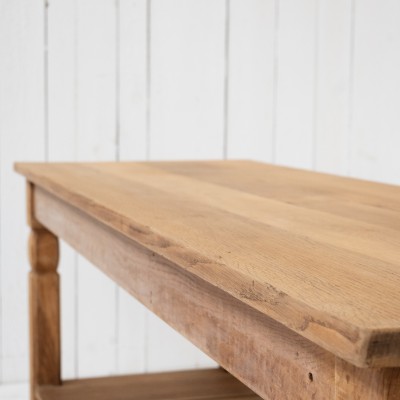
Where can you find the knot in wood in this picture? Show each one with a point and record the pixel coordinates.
(43, 250)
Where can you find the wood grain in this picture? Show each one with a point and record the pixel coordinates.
(183, 86)
(44, 304)
(62, 93)
(253, 231)
(209, 384)
(356, 199)
(132, 328)
(256, 349)
(354, 383)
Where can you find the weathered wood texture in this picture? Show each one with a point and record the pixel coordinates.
(209, 384)
(44, 303)
(183, 86)
(61, 144)
(354, 383)
(257, 350)
(314, 252)
(164, 264)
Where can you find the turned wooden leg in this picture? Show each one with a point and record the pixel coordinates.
(354, 383)
(44, 303)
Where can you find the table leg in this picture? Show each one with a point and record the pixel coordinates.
(354, 383)
(44, 303)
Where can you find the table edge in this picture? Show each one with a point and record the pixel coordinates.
(371, 347)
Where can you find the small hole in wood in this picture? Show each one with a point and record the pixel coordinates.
(310, 377)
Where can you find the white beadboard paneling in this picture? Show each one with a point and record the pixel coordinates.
(61, 79)
(187, 119)
(61, 117)
(22, 138)
(332, 103)
(187, 78)
(96, 79)
(132, 113)
(169, 351)
(14, 392)
(132, 87)
(251, 79)
(375, 136)
(96, 128)
(132, 334)
(296, 82)
(333, 86)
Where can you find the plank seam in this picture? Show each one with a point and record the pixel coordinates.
(117, 158)
(275, 81)
(350, 105)
(76, 275)
(46, 78)
(1, 280)
(148, 153)
(226, 78)
(316, 85)
(117, 80)
(148, 79)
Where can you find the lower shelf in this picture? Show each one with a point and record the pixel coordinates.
(208, 384)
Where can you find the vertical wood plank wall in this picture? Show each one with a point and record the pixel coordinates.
(307, 83)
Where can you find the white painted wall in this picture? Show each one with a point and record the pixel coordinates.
(308, 83)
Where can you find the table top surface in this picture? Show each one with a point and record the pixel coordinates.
(316, 252)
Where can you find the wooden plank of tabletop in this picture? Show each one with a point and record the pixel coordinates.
(332, 279)
(356, 199)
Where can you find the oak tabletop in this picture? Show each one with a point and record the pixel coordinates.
(318, 253)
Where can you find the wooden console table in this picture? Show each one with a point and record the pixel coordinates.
(289, 279)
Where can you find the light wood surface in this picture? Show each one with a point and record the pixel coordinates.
(44, 302)
(354, 383)
(251, 346)
(314, 252)
(211, 384)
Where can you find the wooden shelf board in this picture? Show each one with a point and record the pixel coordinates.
(208, 384)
